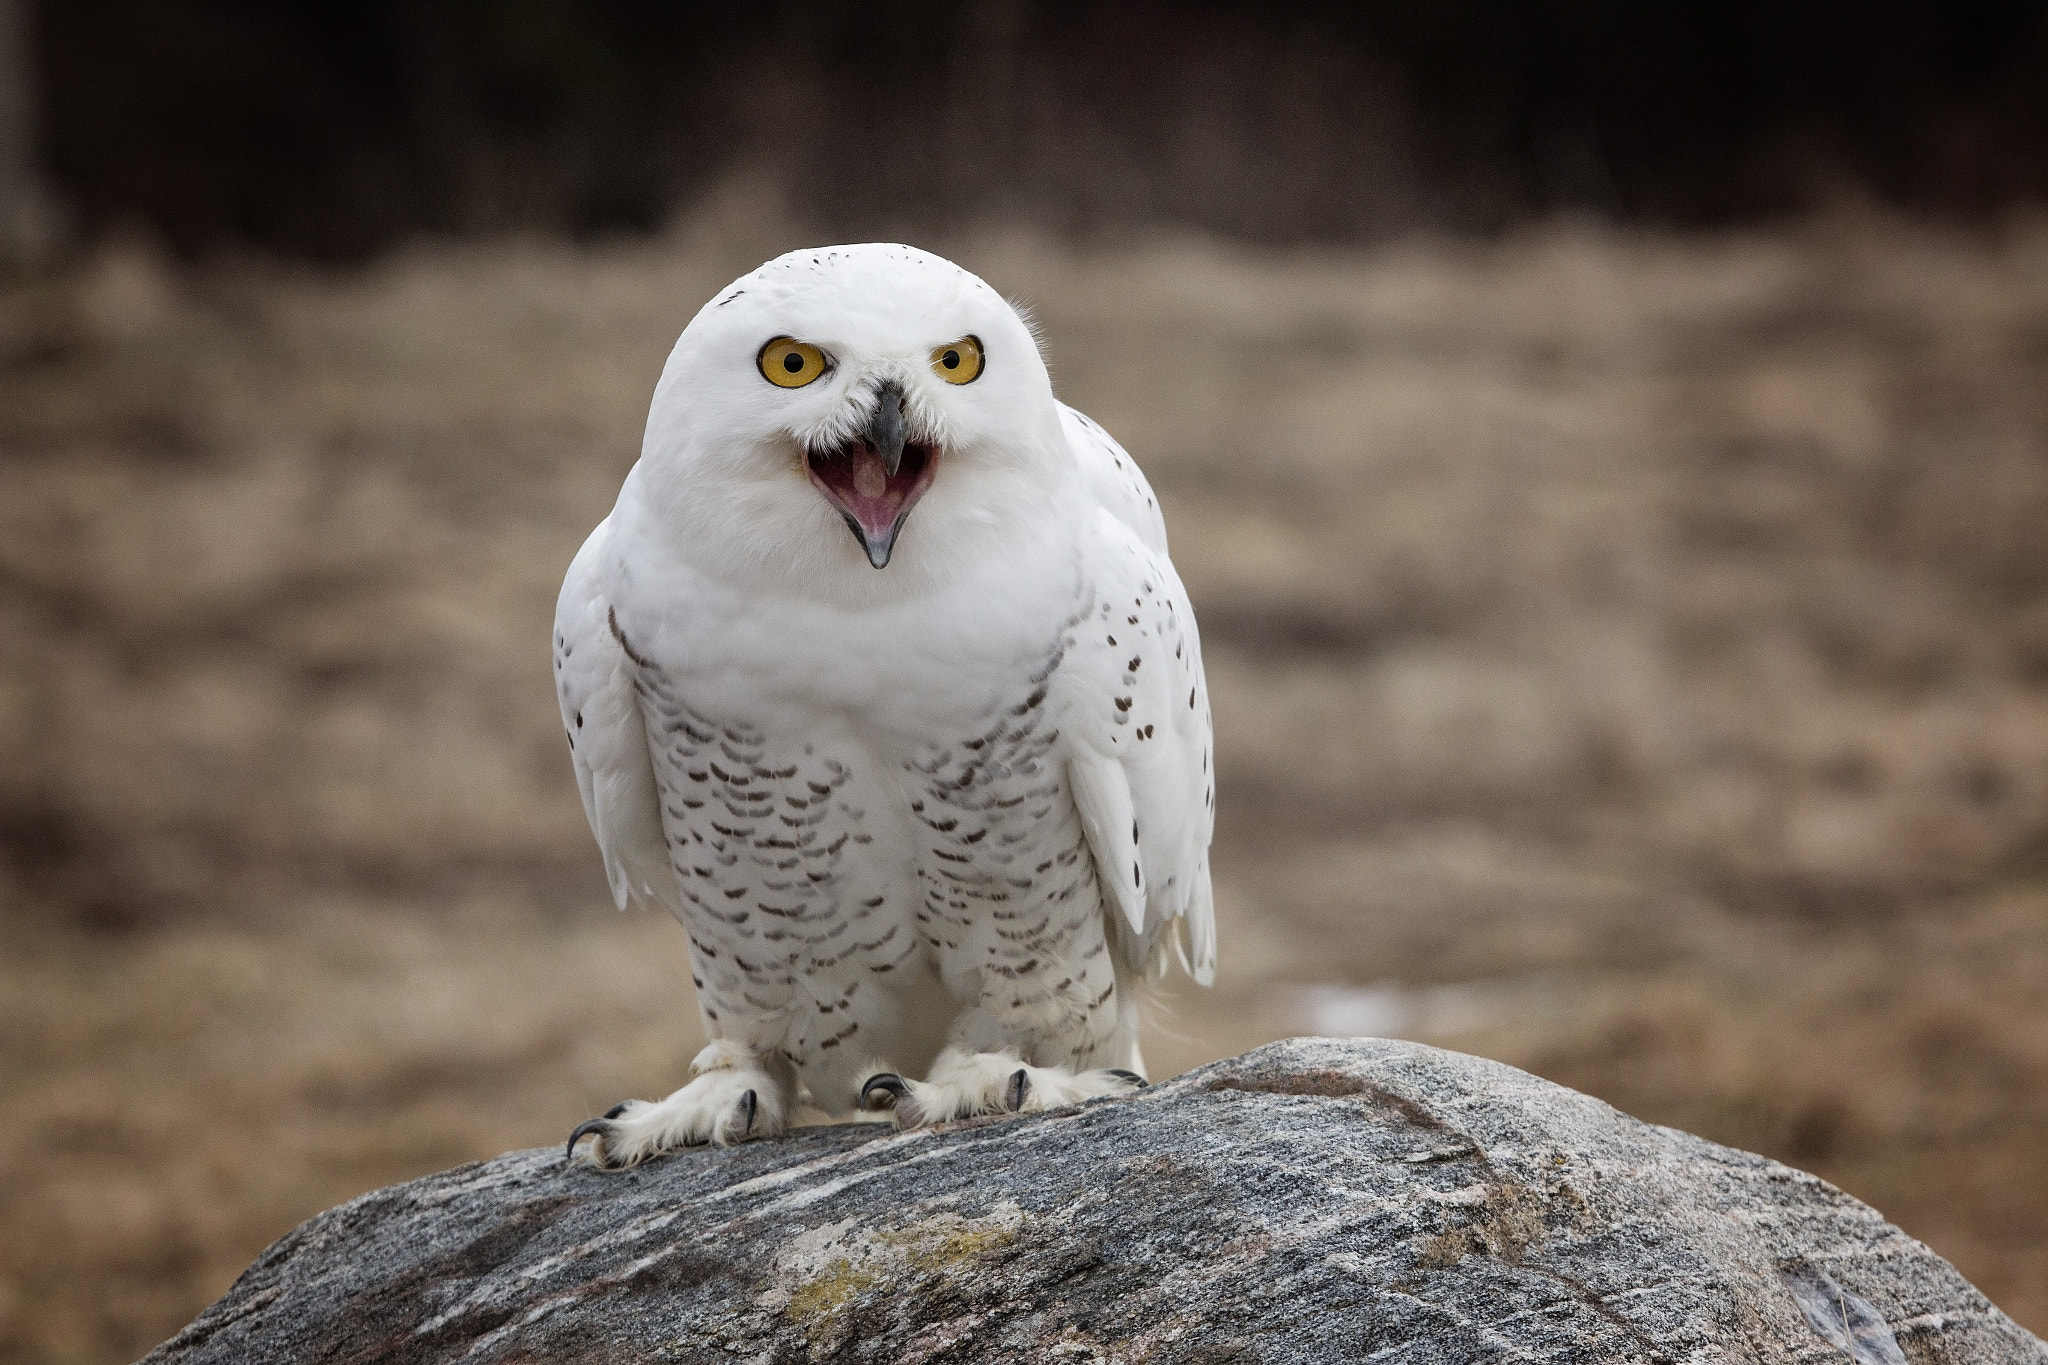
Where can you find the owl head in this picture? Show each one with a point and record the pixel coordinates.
(848, 409)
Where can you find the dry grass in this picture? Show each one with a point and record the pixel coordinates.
(1630, 658)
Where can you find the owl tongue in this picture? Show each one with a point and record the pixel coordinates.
(873, 501)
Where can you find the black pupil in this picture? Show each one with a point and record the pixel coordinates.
(792, 362)
(951, 360)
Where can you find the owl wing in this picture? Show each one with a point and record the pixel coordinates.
(601, 714)
(1114, 478)
(1140, 752)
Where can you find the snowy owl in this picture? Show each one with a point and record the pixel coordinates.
(931, 798)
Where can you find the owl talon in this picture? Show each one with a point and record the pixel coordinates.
(889, 1083)
(747, 1105)
(1133, 1077)
(1019, 1087)
(602, 1127)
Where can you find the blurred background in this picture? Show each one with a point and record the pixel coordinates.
(1607, 446)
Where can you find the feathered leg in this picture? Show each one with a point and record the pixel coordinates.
(732, 1099)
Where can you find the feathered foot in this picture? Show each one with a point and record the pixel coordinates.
(963, 1084)
(731, 1100)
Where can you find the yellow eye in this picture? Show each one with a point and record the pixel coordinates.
(790, 364)
(958, 362)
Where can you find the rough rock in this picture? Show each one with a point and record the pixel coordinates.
(1315, 1200)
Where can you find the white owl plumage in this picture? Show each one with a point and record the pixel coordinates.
(931, 798)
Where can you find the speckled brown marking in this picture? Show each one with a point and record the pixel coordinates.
(611, 619)
(1000, 882)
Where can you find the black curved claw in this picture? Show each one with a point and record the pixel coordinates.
(621, 1107)
(748, 1103)
(1020, 1086)
(889, 1083)
(1133, 1077)
(601, 1127)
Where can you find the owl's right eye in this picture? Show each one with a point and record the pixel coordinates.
(790, 364)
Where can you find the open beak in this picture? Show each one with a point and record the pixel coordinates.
(877, 477)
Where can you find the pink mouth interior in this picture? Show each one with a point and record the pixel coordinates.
(861, 486)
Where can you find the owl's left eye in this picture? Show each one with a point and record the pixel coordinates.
(790, 364)
(958, 362)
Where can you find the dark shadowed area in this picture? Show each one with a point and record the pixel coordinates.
(336, 129)
(1607, 451)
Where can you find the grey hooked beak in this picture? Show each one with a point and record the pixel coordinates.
(885, 427)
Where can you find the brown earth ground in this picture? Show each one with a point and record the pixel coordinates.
(1630, 660)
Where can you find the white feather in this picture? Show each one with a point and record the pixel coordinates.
(1103, 794)
(594, 684)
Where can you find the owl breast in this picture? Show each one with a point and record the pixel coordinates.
(830, 860)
